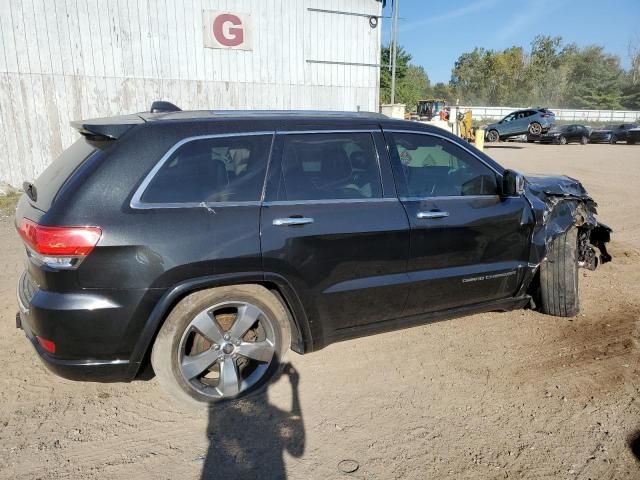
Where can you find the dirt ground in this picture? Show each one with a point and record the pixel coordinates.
(496, 395)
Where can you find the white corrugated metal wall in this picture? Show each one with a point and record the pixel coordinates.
(71, 59)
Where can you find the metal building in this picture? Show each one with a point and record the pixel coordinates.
(70, 59)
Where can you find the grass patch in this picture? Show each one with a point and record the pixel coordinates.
(8, 204)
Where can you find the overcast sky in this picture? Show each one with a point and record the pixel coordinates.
(436, 32)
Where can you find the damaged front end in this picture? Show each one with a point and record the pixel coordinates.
(560, 203)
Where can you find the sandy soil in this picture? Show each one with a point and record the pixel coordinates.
(498, 395)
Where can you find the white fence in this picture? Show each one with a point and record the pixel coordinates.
(497, 113)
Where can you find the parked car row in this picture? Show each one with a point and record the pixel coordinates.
(538, 124)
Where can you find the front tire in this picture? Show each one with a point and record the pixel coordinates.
(493, 136)
(559, 276)
(613, 140)
(562, 140)
(221, 344)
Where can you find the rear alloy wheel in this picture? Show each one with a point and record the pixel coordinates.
(221, 344)
(584, 140)
(562, 140)
(535, 129)
(493, 136)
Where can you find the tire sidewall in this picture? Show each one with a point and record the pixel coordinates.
(165, 352)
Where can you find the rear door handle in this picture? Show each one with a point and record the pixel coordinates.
(434, 214)
(291, 221)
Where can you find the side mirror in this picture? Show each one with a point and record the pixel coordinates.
(512, 183)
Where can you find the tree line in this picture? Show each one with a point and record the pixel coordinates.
(552, 73)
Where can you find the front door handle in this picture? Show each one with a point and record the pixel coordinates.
(433, 214)
(291, 221)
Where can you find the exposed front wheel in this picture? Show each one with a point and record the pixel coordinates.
(535, 129)
(562, 140)
(493, 136)
(612, 140)
(559, 276)
(221, 344)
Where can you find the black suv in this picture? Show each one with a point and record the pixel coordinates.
(210, 243)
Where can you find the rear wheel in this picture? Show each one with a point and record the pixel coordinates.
(584, 140)
(221, 344)
(535, 129)
(493, 136)
(559, 276)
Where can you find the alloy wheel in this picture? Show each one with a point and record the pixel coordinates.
(226, 349)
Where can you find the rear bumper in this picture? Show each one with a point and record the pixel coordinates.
(68, 321)
(81, 370)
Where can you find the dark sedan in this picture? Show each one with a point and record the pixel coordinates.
(563, 134)
(611, 133)
(633, 136)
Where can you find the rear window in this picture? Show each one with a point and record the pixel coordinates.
(217, 169)
(56, 174)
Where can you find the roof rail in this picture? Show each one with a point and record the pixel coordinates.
(160, 106)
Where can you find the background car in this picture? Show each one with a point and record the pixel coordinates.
(633, 136)
(534, 121)
(563, 134)
(611, 133)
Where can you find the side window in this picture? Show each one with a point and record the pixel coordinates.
(219, 169)
(433, 167)
(320, 166)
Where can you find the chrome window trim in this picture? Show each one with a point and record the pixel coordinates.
(353, 130)
(448, 140)
(447, 197)
(137, 204)
(375, 149)
(331, 201)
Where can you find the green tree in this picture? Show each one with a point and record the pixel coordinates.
(595, 80)
(402, 65)
(414, 86)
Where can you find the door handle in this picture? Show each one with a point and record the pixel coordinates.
(434, 214)
(291, 221)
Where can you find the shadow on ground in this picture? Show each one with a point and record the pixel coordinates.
(634, 445)
(248, 438)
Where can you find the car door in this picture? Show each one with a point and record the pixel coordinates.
(333, 227)
(468, 244)
(508, 124)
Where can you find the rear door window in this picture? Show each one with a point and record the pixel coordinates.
(209, 170)
(319, 166)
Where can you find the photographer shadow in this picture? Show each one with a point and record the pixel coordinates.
(248, 438)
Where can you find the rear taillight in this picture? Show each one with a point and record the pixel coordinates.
(58, 247)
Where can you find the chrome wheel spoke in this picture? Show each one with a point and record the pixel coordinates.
(260, 351)
(229, 383)
(194, 365)
(206, 325)
(247, 316)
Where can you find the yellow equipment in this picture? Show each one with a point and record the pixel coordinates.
(465, 126)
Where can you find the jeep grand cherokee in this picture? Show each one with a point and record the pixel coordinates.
(210, 243)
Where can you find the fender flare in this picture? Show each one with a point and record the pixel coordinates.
(301, 338)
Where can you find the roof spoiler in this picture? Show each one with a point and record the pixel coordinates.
(160, 106)
(109, 128)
